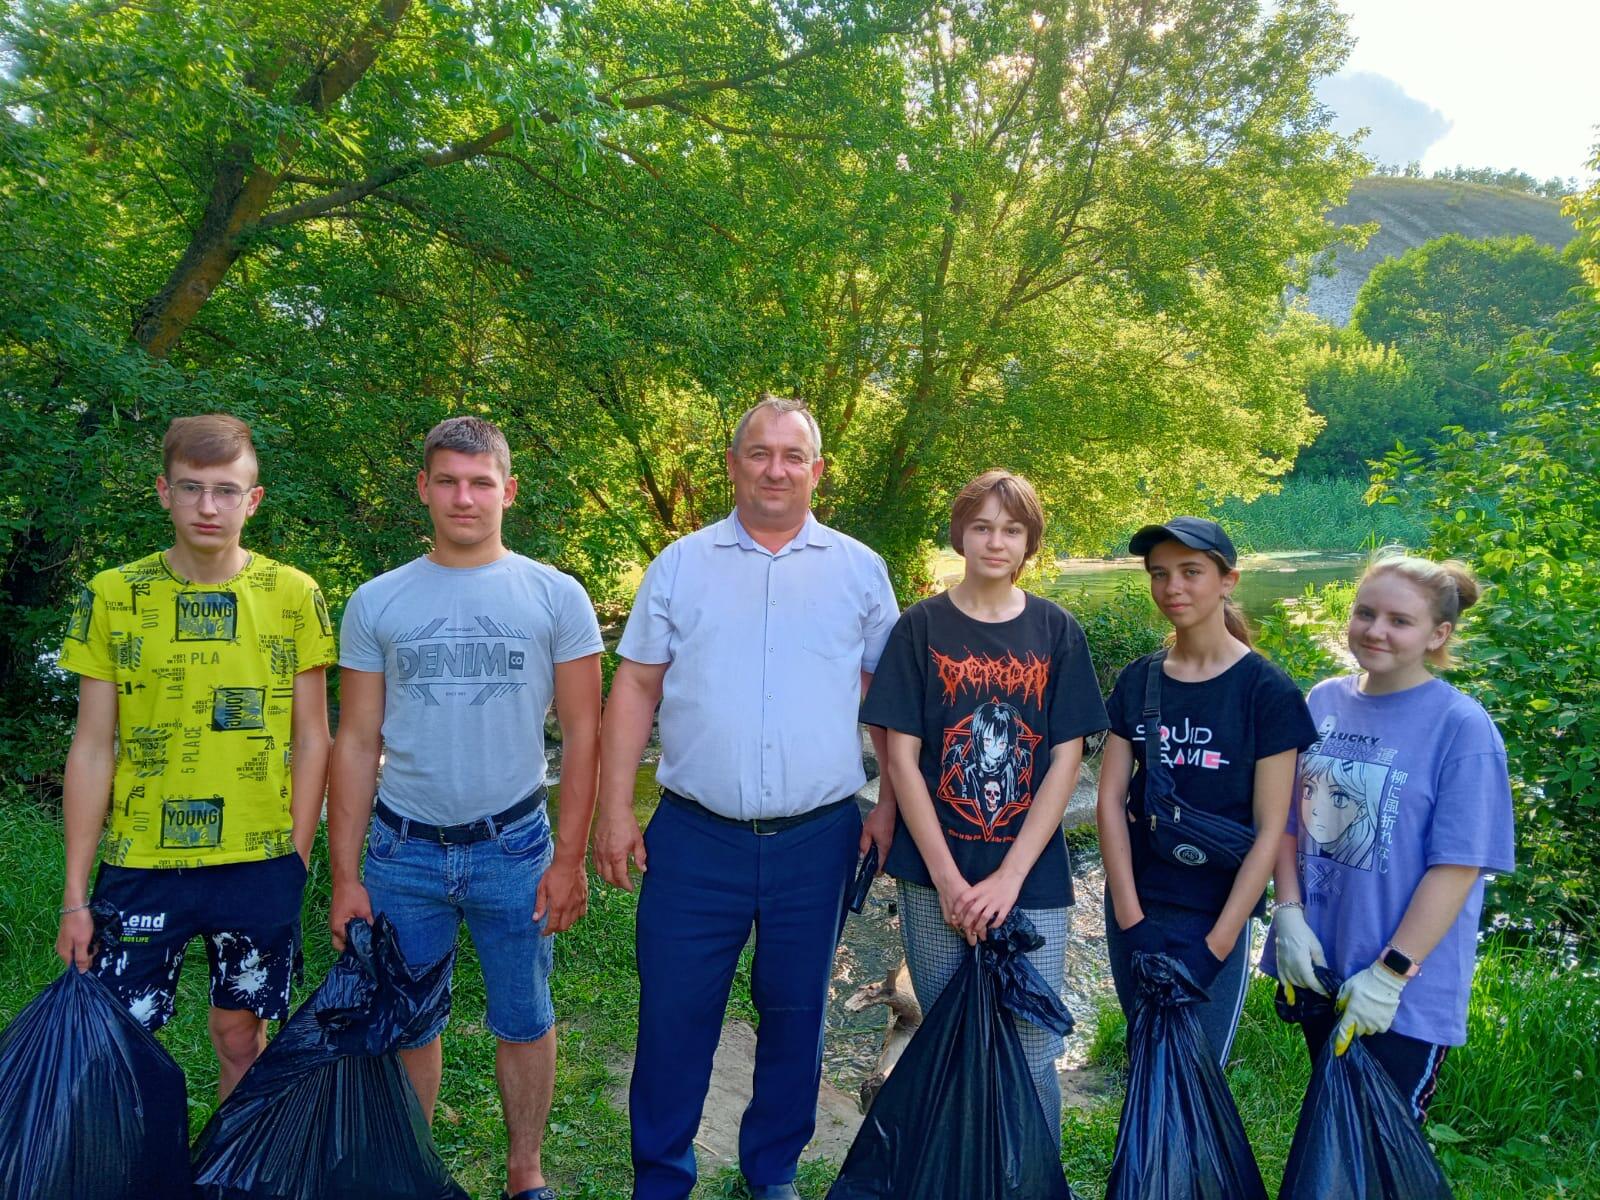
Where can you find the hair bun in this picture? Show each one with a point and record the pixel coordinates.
(1468, 589)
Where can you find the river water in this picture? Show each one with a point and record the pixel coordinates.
(1264, 579)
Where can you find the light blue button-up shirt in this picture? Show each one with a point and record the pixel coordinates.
(759, 702)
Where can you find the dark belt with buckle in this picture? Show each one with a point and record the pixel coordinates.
(760, 826)
(480, 830)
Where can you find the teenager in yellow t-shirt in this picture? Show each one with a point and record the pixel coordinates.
(200, 756)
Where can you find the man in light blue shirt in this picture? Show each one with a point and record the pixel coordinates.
(756, 636)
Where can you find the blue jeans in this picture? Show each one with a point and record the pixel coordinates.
(427, 890)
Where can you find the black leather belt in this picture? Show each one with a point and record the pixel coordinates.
(480, 830)
(760, 826)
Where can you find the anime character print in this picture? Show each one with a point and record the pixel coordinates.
(987, 775)
(1340, 804)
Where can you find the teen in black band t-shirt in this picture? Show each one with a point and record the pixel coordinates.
(988, 699)
(1232, 725)
(987, 693)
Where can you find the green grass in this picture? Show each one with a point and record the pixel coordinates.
(1515, 1113)
(1318, 514)
(1514, 1119)
(594, 986)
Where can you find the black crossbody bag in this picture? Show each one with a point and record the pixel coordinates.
(1179, 832)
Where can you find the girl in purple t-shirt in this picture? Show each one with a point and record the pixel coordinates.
(1402, 805)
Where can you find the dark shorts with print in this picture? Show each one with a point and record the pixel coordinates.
(248, 914)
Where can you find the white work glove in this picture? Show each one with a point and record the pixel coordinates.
(1299, 952)
(1368, 1001)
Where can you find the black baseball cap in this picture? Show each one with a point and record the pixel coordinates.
(1195, 532)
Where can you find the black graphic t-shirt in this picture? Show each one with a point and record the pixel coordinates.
(990, 700)
(1212, 735)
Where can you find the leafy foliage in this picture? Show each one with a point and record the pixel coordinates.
(1051, 236)
(1370, 396)
(1305, 635)
(1452, 304)
(1119, 628)
(1523, 506)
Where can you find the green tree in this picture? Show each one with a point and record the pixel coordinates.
(338, 220)
(1049, 235)
(1370, 397)
(1523, 506)
(1513, 180)
(1106, 204)
(1452, 304)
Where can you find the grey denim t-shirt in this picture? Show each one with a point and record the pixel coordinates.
(468, 658)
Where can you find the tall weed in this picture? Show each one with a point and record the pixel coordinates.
(1528, 1080)
(1319, 514)
(1515, 1113)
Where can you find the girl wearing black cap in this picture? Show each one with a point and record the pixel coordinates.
(1189, 835)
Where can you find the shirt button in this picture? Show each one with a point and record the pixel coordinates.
(774, 603)
(770, 649)
(769, 695)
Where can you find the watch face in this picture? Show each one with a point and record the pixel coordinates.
(1396, 962)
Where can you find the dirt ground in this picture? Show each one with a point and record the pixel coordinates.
(838, 1114)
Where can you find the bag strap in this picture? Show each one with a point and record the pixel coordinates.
(1152, 700)
(1152, 715)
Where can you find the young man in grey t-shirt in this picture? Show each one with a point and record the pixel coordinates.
(449, 665)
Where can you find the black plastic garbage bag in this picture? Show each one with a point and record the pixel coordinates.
(1180, 1137)
(1022, 989)
(1356, 1138)
(92, 1107)
(326, 1112)
(958, 1117)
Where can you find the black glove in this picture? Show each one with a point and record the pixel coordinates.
(1146, 936)
(1202, 965)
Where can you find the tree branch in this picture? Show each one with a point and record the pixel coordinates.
(723, 127)
(325, 86)
(705, 87)
(534, 173)
(382, 179)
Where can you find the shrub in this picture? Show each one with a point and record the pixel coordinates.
(1119, 629)
(1305, 635)
(1523, 506)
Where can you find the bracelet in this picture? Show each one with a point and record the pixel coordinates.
(74, 908)
(1279, 905)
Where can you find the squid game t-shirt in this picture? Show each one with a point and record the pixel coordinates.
(1212, 735)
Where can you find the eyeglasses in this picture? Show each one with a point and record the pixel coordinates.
(224, 495)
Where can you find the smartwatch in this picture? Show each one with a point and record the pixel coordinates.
(1399, 962)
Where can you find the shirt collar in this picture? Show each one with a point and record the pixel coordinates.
(731, 532)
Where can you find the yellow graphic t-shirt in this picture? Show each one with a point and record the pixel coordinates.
(205, 683)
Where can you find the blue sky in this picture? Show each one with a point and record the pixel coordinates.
(1481, 83)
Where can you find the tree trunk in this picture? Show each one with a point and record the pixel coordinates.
(241, 191)
(239, 195)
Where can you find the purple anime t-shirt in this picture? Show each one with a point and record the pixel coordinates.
(1396, 784)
